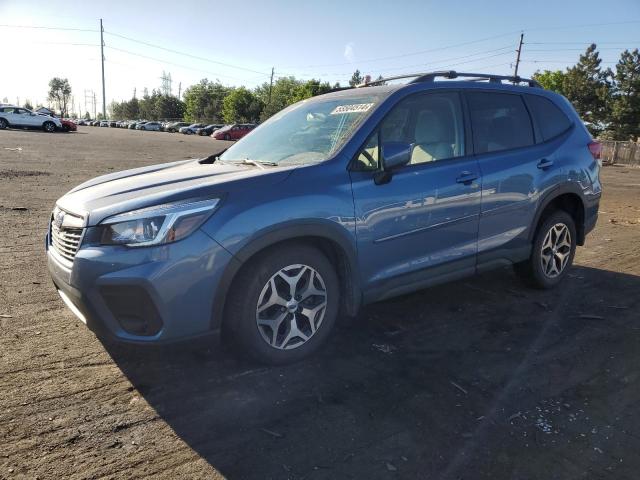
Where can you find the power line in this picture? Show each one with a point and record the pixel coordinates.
(49, 28)
(430, 50)
(161, 60)
(185, 54)
(583, 43)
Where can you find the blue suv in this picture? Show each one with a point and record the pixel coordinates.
(340, 200)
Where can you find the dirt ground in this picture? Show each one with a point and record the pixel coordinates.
(482, 378)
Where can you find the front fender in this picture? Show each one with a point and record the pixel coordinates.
(300, 229)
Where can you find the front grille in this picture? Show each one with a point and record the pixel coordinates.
(65, 241)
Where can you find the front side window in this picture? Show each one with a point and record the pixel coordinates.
(432, 123)
(307, 132)
(499, 121)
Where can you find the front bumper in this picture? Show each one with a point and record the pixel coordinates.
(171, 287)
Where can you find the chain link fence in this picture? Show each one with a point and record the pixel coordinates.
(626, 153)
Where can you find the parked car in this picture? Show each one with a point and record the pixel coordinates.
(338, 201)
(175, 126)
(150, 126)
(104, 123)
(191, 129)
(68, 125)
(82, 122)
(18, 117)
(233, 132)
(209, 129)
(139, 125)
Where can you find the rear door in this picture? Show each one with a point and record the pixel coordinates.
(11, 116)
(422, 226)
(512, 166)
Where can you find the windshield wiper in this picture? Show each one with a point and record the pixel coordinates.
(247, 161)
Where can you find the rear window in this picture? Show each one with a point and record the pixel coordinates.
(500, 122)
(550, 119)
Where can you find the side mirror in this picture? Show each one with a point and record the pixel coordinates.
(394, 156)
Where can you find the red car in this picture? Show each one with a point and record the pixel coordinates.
(233, 132)
(68, 125)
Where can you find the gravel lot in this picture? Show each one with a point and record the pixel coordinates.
(481, 378)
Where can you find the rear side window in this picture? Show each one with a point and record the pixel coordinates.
(500, 122)
(550, 119)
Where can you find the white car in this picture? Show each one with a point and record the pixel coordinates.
(12, 116)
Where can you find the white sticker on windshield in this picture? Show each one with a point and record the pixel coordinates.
(355, 108)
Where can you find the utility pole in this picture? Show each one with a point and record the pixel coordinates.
(515, 73)
(271, 84)
(179, 89)
(95, 115)
(104, 97)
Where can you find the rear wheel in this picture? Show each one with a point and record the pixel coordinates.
(49, 127)
(3, 123)
(554, 247)
(283, 306)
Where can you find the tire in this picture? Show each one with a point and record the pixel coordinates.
(227, 137)
(552, 253)
(49, 127)
(65, 129)
(253, 298)
(3, 123)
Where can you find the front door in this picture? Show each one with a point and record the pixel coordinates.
(422, 226)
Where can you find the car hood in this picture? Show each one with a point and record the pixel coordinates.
(128, 190)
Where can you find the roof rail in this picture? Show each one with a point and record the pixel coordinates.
(451, 74)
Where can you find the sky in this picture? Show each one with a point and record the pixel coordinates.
(239, 43)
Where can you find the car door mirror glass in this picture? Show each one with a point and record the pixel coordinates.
(396, 155)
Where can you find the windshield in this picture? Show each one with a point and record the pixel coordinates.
(306, 132)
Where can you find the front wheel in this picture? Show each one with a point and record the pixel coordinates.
(49, 127)
(283, 306)
(554, 247)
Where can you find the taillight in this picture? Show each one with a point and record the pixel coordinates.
(596, 149)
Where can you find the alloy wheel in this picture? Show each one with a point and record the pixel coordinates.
(556, 250)
(291, 307)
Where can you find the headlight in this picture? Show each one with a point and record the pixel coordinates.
(155, 225)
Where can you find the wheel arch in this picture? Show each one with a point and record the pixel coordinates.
(567, 198)
(327, 236)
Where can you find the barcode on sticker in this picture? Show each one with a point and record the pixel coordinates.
(355, 108)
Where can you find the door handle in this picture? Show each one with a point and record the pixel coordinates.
(545, 163)
(467, 178)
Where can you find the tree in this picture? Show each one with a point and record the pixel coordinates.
(286, 91)
(625, 112)
(356, 78)
(60, 93)
(551, 80)
(588, 87)
(87, 116)
(27, 105)
(241, 105)
(203, 101)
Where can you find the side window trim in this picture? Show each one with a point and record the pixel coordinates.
(537, 133)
